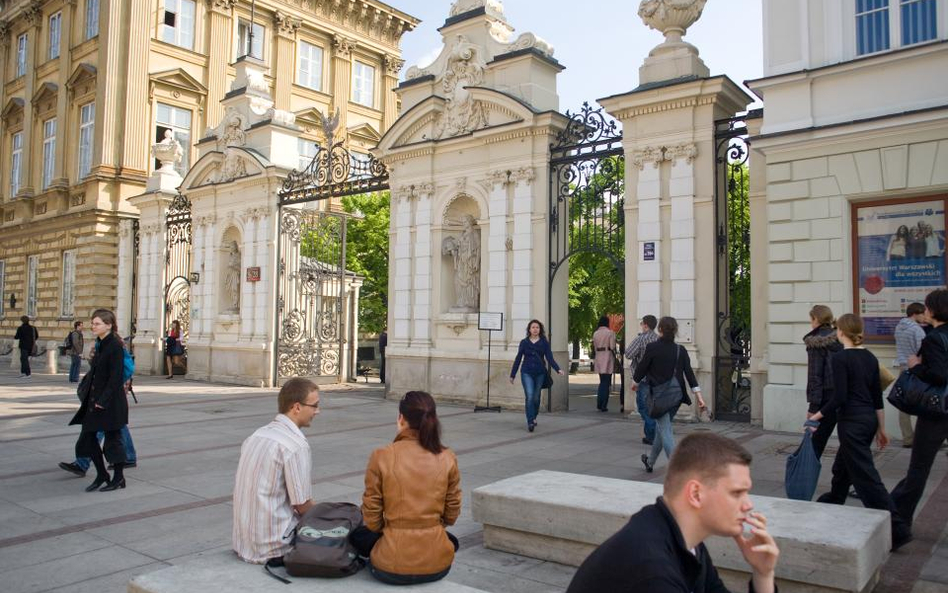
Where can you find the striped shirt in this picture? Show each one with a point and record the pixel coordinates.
(636, 349)
(273, 475)
(908, 339)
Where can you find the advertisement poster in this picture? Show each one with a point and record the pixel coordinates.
(900, 258)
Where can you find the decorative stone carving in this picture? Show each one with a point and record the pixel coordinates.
(465, 249)
(221, 5)
(531, 41)
(281, 117)
(414, 72)
(77, 199)
(462, 113)
(393, 65)
(649, 154)
(671, 17)
(168, 152)
(286, 25)
(688, 152)
(501, 177)
(494, 8)
(231, 285)
(342, 46)
(232, 167)
(231, 131)
(460, 184)
(4, 32)
(523, 174)
(39, 208)
(33, 13)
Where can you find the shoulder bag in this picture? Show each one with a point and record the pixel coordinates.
(914, 396)
(661, 399)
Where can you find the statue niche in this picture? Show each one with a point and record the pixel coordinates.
(465, 251)
(230, 266)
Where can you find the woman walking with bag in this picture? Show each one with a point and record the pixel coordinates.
(820, 343)
(173, 347)
(533, 349)
(412, 492)
(931, 366)
(665, 361)
(857, 403)
(104, 406)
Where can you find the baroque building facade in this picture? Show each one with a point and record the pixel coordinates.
(89, 85)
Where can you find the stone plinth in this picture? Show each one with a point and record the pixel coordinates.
(563, 517)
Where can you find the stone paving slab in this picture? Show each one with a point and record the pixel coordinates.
(188, 436)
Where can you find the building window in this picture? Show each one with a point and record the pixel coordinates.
(32, 275)
(16, 160)
(363, 84)
(68, 300)
(55, 32)
(178, 121)
(918, 21)
(307, 150)
(49, 151)
(310, 72)
(92, 18)
(3, 278)
(86, 134)
(242, 39)
(178, 23)
(872, 26)
(21, 55)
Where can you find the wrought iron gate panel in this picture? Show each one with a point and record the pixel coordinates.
(311, 293)
(732, 288)
(178, 266)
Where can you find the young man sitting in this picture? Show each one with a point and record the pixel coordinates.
(661, 549)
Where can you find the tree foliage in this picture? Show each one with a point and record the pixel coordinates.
(738, 251)
(367, 254)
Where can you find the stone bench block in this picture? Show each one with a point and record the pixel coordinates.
(223, 571)
(563, 517)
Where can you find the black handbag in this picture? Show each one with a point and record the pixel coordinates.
(661, 399)
(85, 386)
(547, 378)
(914, 396)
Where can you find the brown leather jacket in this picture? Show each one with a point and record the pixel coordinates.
(410, 496)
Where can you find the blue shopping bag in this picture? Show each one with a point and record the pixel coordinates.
(803, 470)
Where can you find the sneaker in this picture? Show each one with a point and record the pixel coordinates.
(648, 466)
(72, 468)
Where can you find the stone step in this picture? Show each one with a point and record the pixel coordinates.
(563, 517)
(223, 571)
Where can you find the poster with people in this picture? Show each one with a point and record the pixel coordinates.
(900, 257)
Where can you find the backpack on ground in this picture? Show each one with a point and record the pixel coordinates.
(321, 546)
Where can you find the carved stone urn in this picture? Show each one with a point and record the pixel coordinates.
(168, 152)
(671, 17)
(673, 58)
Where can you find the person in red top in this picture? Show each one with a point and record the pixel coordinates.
(173, 347)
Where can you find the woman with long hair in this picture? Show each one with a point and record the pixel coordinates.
(663, 361)
(104, 405)
(173, 347)
(533, 349)
(412, 492)
(820, 344)
(604, 347)
(857, 403)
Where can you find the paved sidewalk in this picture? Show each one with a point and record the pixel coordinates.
(56, 537)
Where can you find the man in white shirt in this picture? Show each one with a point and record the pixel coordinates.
(908, 340)
(273, 487)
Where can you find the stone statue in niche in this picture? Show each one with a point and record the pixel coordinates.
(465, 249)
(232, 279)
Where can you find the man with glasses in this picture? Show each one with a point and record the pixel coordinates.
(273, 489)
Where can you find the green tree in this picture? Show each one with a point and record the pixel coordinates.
(367, 254)
(738, 250)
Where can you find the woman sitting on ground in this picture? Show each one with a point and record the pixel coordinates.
(412, 491)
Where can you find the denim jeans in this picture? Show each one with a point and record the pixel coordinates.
(664, 439)
(640, 404)
(75, 362)
(532, 384)
(602, 395)
(130, 455)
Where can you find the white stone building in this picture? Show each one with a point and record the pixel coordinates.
(854, 142)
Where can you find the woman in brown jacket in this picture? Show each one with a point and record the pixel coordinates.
(412, 491)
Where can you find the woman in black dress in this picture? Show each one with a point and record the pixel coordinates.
(104, 405)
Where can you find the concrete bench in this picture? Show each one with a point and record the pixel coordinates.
(563, 517)
(223, 571)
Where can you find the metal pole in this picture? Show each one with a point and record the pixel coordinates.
(253, 14)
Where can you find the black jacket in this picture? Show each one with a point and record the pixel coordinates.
(648, 554)
(658, 364)
(27, 335)
(934, 366)
(820, 343)
(108, 389)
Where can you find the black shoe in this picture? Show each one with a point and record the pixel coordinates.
(125, 465)
(113, 485)
(900, 537)
(648, 466)
(646, 441)
(99, 480)
(72, 468)
(531, 427)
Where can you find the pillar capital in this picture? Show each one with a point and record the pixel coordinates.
(392, 64)
(342, 47)
(285, 25)
(221, 6)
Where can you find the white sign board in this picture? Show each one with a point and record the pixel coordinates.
(490, 321)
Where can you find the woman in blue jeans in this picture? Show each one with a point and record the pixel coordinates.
(533, 349)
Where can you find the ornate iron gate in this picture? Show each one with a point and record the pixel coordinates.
(311, 266)
(732, 382)
(178, 266)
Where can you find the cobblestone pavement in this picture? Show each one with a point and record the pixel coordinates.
(56, 537)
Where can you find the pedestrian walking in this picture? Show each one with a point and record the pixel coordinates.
(173, 347)
(28, 338)
(604, 346)
(634, 353)
(857, 403)
(930, 365)
(663, 361)
(908, 341)
(383, 343)
(104, 406)
(74, 348)
(532, 351)
(820, 344)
